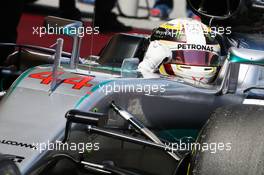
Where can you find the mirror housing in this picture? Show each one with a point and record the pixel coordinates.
(66, 26)
(63, 26)
(236, 57)
(246, 56)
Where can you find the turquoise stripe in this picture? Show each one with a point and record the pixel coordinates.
(100, 85)
(113, 69)
(96, 87)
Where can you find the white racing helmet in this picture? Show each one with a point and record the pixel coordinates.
(196, 53)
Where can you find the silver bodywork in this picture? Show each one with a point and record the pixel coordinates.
(30, 115)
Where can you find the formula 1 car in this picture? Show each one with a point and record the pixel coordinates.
(103, 117)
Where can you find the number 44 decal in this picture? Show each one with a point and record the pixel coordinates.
(77, 82)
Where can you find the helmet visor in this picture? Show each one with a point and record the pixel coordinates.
(195, 58)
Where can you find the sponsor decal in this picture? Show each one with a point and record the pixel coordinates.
(19, 144)
(199, 47)
(195, 47)
(76, 82)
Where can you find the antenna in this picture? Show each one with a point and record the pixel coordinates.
(76, 46)
(92, 39)
(56, 65)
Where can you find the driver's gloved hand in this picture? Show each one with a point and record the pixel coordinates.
(156, 54)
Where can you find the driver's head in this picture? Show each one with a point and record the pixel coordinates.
(195, 50)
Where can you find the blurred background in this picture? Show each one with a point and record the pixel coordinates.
(129, 16)
(87, 9)
(35, 11)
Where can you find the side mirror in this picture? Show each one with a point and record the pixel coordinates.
(246, 56)
(236, 57)
(217, 9)
(69, 28)
(62, 26)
